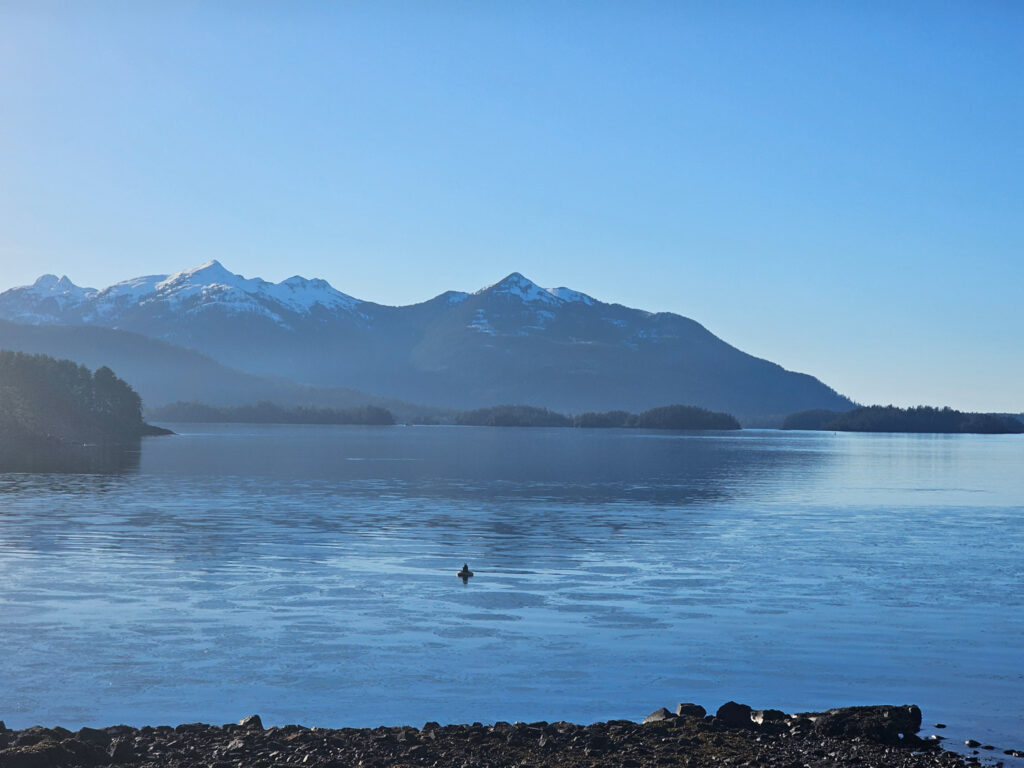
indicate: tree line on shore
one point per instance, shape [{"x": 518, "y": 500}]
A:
[
  {"x": 889, "y": 418},
  {"x": 665, "y": 417}
]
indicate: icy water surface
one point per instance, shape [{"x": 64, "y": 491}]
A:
[{"x": 308, "y": 574}]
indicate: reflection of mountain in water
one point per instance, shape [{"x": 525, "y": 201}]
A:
[
  {"x": 41, "y": 456},
  {"x": 521, "y": 493}
]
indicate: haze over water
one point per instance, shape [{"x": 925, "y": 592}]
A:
[{"x": 308, "y": 574}]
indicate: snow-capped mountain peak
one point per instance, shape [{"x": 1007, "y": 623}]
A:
[
  {"x": 527, "y": 291},
  {"x": 51, "y": 285},
  {"x": 48, "y": 300},
  {"x": 519, "y": 287},
  {"x": 52, "y": 282},
  {"x": 210, "y": 273}
]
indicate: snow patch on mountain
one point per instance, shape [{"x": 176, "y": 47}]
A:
[
  {"x": 481, "y": 324},
  {"x": 120, "y": 296},
  {"x": 571, "y": 296},
  {"x": 302, "y": 295}
]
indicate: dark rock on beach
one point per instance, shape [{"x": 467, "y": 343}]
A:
[
  {"x": 658, "y": 715},
  {"x": 765, "y": 716},
  {"x": 251, "y": 723},
  {"x": 733, "y": 715},
  {"x": 887, "y": 725},
  {"x": 688, "y": 709},
  {"x": 737, "y": 737}
]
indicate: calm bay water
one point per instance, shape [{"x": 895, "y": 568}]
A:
[{"x": 308, "y": 574}]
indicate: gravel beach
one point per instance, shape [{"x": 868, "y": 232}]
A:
[{"x": 734, "y": 736}]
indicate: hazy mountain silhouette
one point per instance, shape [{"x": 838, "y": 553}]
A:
[
  {"x": 163, "y": 373},
  {"x": 511, "y": 342}
]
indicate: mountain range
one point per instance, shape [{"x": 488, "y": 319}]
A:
[{"x": 510, "y": 342}]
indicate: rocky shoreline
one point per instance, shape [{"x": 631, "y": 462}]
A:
[{"x": 736, "y": 735}]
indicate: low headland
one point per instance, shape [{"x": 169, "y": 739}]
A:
[
  {"x": 47, "y": 403},
  {"x": 736, "y": 735},
  {"x": 889, "y": 418}
]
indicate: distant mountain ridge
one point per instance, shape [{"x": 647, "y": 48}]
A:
[{"x": 510, "y": 342}]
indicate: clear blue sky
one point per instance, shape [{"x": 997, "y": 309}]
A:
[{"x": 838, "y": 187}]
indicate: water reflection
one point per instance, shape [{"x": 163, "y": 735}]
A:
[
  {"x": 58, "y": 458},
  {"x": 565, "y": 465}
]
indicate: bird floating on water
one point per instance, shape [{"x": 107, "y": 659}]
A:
[{"x": 465, "y": 573}]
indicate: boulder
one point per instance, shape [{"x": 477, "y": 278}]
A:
[
  {"x": 252, "y": 723},
  {"x": 762, "y": 716},
  {"x": 658, "y": 715},
  {"x": 35, "y": 735},
  {"x": 93, "y": 736},
  {"x": 734, "y": 715},
  {"x": 688, "y": 709},
  {"x": 85, "y": 753},
  {"x": 884, "y": 724}
]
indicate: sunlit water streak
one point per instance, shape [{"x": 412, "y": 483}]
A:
[{"x": 307, "y": 573}]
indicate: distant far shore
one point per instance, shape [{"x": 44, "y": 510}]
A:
[
  {"x": 677, "y": 417},
  {"x": 735, "y": 735},
  {"x": 922, "y": 419}
]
